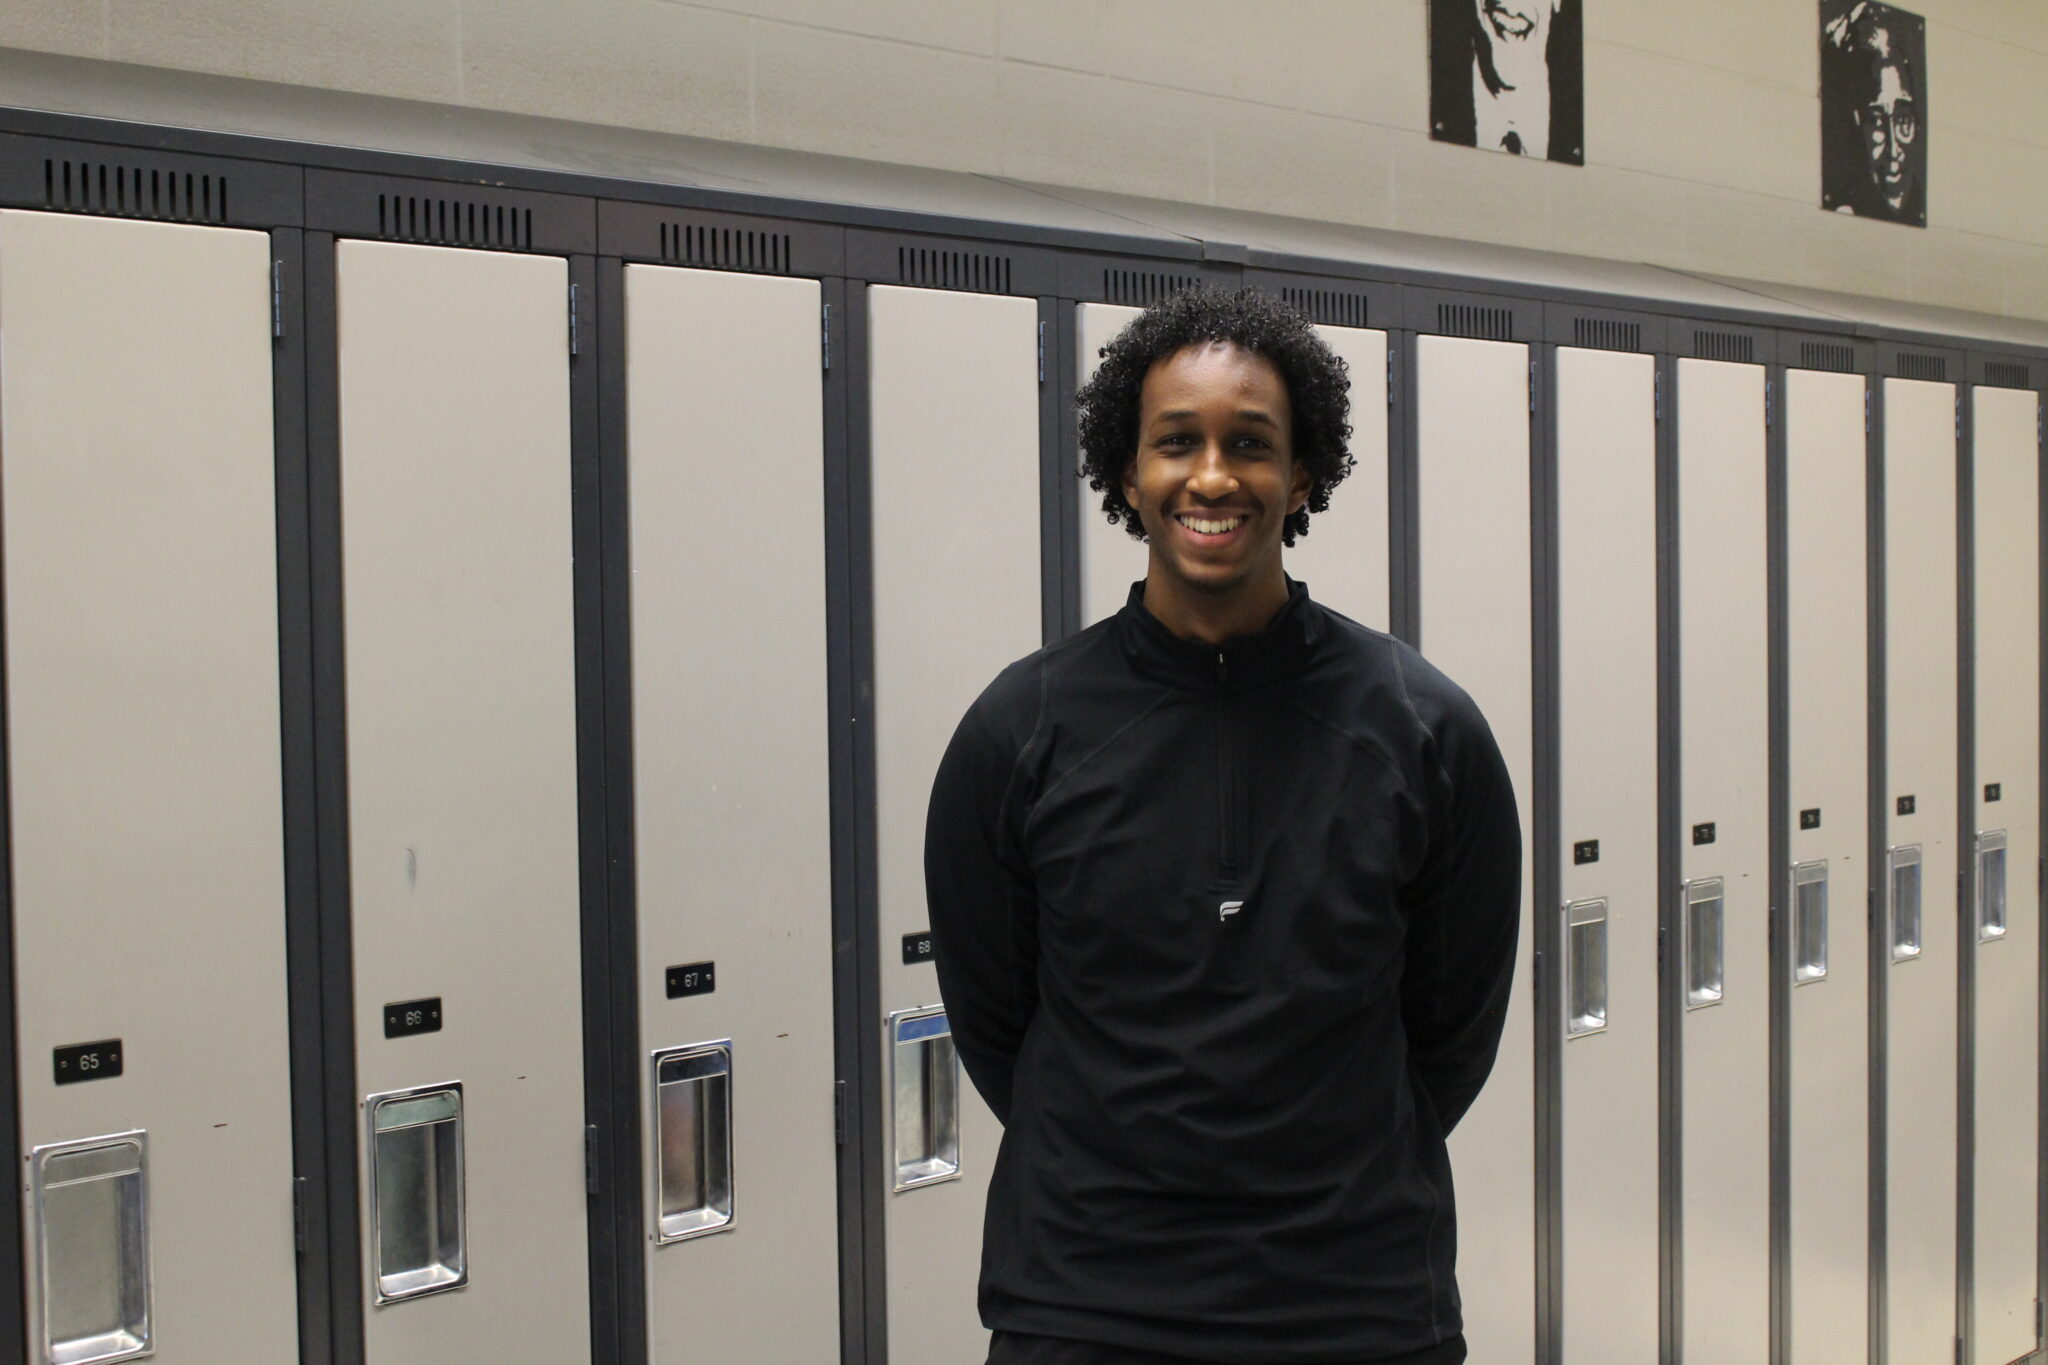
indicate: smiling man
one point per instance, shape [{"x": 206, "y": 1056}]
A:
[{"x": 1224, "y": 892}]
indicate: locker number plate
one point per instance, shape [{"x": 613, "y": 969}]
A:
[
  {"x": 88, "y": 1061},
  {"x": 1907, "y": 805},
  {"x": 692, "y": 978},
  {"x": 917, "y": 947},
  {"x": 1992, "y": 791},
  {"x": 408, "y": 1017},
  {"x": 1810, "y": 818},
  {"x": 1586, "y": 851},
  {"x": 1704, "y": 833}
]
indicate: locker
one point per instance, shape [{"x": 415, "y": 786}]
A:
[
  {"x": 1607, "y": 724},
  {"x": 462, "y": 801},
  {"x": 953, "y": 393},
  {"x": 2006, "y": 925},
  {"x": 1724, "y": 838},
  {"x": 137, "y": 500},
  {"x": 1343, "y": 559},
  {"x": 1825, "y": 888},
  {"x": 1918, "y": 887},
  {"x": 731, "y": 784},
  {"x": 1472, "y": 423}
]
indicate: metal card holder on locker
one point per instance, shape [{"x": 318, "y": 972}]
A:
[{"x": 91, "y": 1301}]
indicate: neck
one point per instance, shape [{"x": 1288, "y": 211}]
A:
[{"x": 1215, "y": 618}]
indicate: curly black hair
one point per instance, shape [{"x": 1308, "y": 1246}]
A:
[{"x": 1318, "y": 390}]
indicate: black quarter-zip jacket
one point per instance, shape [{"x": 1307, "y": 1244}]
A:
[{"x": 1226, "y": 937}]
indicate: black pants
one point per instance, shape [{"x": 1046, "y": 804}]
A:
[{"x": 1014, "y": 1348}]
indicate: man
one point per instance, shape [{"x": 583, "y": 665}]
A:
[{"x": 1224, "y": 892}]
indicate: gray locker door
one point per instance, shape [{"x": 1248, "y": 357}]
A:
[
  {"x": 725, "y": 453},
  {"x": 956, "y": 599},
  {"x": 1724, "y": 838},
  {"x": 143, "y": 759},
  {"x": 456, "y": 573},
  {"x": 1920, "y": 747},
  {"x": 1472, "y": 421},
  {"x": 1607, "y": 720},
  {"x": 2007, "y": 922},
  {"x": 1344, "y": 557},
  {"x": 1825, "y": 888}
]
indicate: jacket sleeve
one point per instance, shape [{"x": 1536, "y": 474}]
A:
[
  {"x": 1464, "y": 913},
  {"x": 984, "y": 910}
]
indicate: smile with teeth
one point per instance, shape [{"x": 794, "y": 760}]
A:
[{"x": 1209, "y": 526}]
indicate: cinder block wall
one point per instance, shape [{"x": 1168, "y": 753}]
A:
[{"x": 1702, "y": 116}]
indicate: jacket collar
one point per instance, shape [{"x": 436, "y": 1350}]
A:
[{"x": 1281, "y": 650}]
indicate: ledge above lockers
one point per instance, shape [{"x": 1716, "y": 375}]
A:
[{"x": 723, "y": 205}]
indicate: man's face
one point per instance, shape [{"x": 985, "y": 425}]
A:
[
  {"x": 1890, "y": 123},
  {"x": 1215, "y": 479}
]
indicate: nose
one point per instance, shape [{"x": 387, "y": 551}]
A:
[{"x": 1211, "y": 476}]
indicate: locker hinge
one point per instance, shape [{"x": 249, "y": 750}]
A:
[
  {"x": 299, "y": 1213},
  {"x": 277, "y": 298},
  {"x": 1532, "y": 385},
  {"x": 1657, "y": 396},
  {"x": 1041, "y": 353},
  {"x": 575, "y": 330},
  {"x": 1959, "y": 417},
  {"x": 590, "y": 1159},
  {"x": 1866, "y": 409},
  {"x": 2040, "y": 1324},
  {"x": 1770, "y": 413},
  {"x": 826, "y": 331},
  {"x": 839, "y": 1112}
]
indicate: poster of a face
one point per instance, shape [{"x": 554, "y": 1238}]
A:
[
  {"x": 1873, "y": 111},
  {"x": 1508, "y": 75}
]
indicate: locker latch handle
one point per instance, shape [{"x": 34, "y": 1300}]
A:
[
  {"x": 1705, "y": 943},
  {"x": 1585, "y": 967},
  {"x": 418, "y": 1242},
  {"x": 1809, "y": 922},
  {"x": 1991, "y": 884},
  {"x": 924, "y": 1083},
  {"x": 91, "y": 1297},
  {"x": 1904, "y": 862},
  {"x": 693, "y": 1140}
]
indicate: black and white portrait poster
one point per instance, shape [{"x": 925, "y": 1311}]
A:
[
  {"x": 1873, "y": 111},
  {"x": 1509, "y": 76}
]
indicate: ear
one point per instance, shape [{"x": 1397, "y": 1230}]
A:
[
  {"x": 1128, "y": 481},
  {"x": 1297, "y": 495}
]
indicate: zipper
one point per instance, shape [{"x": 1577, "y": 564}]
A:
[{"x": 1229, "y": 862}]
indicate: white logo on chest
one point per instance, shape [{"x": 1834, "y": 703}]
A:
[{"x": 1227, "y": 909}]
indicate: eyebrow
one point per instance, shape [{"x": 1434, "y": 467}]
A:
[{"x": 1243, "y": 415}]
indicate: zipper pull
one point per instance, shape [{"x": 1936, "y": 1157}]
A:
[{"x": 1222, "y": 669}]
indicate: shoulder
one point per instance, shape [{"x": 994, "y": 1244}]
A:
[
  {"x": 1009, "y": 710},
  {"x": 1388, "y": 677}
]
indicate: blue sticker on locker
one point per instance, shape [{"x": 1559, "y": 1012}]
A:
[{"x": 930, "y": 1026}]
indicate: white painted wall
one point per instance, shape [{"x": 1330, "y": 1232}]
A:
[{"x": 1702, "y": 116}]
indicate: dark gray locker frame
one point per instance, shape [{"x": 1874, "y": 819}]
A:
[
  {"x": 338, "y": 207},
  {"x": 268, "y": 199}
]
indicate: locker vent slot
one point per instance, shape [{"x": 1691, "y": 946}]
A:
[
  {"x": 1913, "y": 366},
  {"x": 1737, "y": 346},
  {"x": 1607, "y": 334},
  {"x": 134, "y": 192},
  {"x": 1335, "y": 307},
  {"x": 980, "y": 271},
  {"x": 2006, "y": 374},
  {"x": 760, "y": 253},
  {"x": 1472, "y": 320},
  {"x": 453, "y": 222},
  {"x": 1142, "y": 288},
  {"x": 1827, "y": 355}
]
